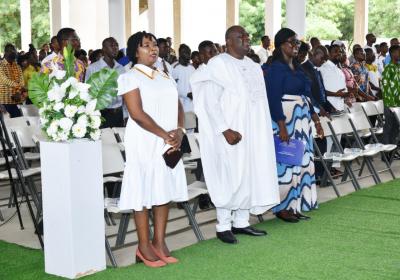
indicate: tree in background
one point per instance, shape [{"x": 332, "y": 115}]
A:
[
  {"x": 10, "y": 24},
  {"x": 328, "y": 19}
]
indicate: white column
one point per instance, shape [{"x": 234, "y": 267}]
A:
[
  {"x": 132, "y": 19},
  {"x": 177, "y": 11},
  {"x": 296, "y": 16},
  {"x": 232, "y": 13},
  {"x": 360, "y": 21},
  {"x": 116, "y": 13},
  {"x": 92, "y": 27},
  {"x": 196, "y": 23},
  {"x": 272, "y": 17},
  {"x": 26, "y": 38},
  {"x": 161, "y": 22}
]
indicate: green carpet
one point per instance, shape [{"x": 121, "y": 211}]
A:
[{"x": 353, "y": 237}]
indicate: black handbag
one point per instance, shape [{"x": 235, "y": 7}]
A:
[{"x": 172, "y": 157}]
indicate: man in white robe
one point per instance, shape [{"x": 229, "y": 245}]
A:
[{"x": 236, "y": 139}]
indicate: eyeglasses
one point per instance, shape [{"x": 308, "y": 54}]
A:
[{"x": 294, "y": 43}]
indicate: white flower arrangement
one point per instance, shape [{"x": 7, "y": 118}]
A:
[{"x": 68, "y": 108}]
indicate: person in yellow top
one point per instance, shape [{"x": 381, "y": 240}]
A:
[
  {"x": 12, "y": 90},
  {"x": 32, "y": 66},
  {"x": 66, "y": 36}
]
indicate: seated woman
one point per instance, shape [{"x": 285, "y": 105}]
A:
[
  {"x": 156, "y": 121},
  {"x": 289, "y": 92}
]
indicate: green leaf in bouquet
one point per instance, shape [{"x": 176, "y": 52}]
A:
[
  {"x": 69, "y": 61},
  {"x": 103, "y": 87},
  {"x": 37, "y": 88}
]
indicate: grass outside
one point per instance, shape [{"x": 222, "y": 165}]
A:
[{"x": 353, "y": 237}]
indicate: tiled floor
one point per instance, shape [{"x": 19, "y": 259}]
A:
[{"x": 180, "y": 234}]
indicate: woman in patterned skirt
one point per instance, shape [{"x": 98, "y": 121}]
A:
[{"x": 289, "y": 92}]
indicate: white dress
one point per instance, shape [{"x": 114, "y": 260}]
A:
[{"x": 147, "y": 180}]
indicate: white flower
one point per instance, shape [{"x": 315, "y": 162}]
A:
[
  {"x": 95, "y": 135},
  {"x": 71, "y": 81},
  {"x": 85, "y": 96},
  {"x": 78, "y": 130},
  {"x": 56, "y": 93},
  {"x": 66, "y": 124},
  {"x": 58, "y": 106},
  {"x": 70, "y": 110},
  {"x": 72, "y": 93},
  {"x": 56, "y": 72},
  {"x": 63, "y": 136},
  {"x": 41, "y": 110},
  {"x": 96, "y": 113},
  {"x": 53, "y": 127},
  {"x": 95, "y": 121},
  {"x": 83, "y": 120},
  {"x": 43, "y": 121},
  {"x": 81, "y": 109},
  {"x": 91, "y": 107}
]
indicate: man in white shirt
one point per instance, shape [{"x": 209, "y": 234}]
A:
[
  {"x": 381, "y": 57},
  {"x": 235, "y": 136},
  {"x": 371, "y": 39},
  {"x": 163, "y": 52},
  {"x": 334, "y": 79},
  {"x": 113, "y": 114},
  {"x": 181, "y": 72},
  {"x": 263, "y": 53},
  {"x": 55, "y": 48}
]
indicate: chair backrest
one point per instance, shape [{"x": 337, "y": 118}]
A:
[
  {"x": 341, "y": 125},
  {"x": 355, "y": 107},
  {"x": 190, "y": 120},
  {"x": 324, "y": 123},
  {"x": 33, "y": 121},
  {"x": 360, "y": 121},
  {"x": 120, "y": 131},
  {"x": 113, "y": 162},
  {"x": 194, "y": 146},
  {"x": 29, "y": 110},
  {"x": 26, "y": 134},
  {"x": 108, "y": 136},
  {"x": 369, "y": 108},
  {"x": 379, "y": 106}
]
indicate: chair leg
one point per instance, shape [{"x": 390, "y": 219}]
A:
[
  {"x": 123, "y": 227},
  {"x": 1, "y": 216},
  {"x": 193, "y": 222},
  {"x": 260, "y": 218},
  {"x": 106, "y": 218},
  {"x": 110, "y": 254},
  {"x": 388, "y": 165},
  {"x": 353, "y": 178}
]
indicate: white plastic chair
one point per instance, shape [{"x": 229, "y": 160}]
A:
[
  {"x": 29, "y": 110},
  {"x": 190, "y": 121}
]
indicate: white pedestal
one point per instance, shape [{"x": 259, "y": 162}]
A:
[{"x": 73, "y": 208}]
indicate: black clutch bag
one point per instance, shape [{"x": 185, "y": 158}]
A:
[{"x": 172, "y": 157}]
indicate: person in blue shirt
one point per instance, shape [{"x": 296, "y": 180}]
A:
[
  {"x": 289, "y": 94},
  {"x": 393, "y": 42}
]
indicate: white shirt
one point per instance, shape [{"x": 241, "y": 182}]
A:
[
  {"x": 160, "y": 65},
  {"x": 182, "y": 74},
  {"x": 96, "y": 67},
  {"x": 49, "y": 58},
  {"x": 380, "y": 62},
  {"x": 263, "y": 54},
  {"x": 334, "y": 80}
]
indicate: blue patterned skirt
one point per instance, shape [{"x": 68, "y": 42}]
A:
[{"x": 297, "y": 183}]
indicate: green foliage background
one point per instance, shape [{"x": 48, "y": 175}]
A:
[
  {"x": 326, "y": 19},
  {"x": 10, "y": 24}
]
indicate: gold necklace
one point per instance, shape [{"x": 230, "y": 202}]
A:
[{"x": 152, "y": 76}]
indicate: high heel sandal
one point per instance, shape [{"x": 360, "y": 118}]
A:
[
  {"x": 166, "y": 259},
  {"x": 154, "y": 264}
]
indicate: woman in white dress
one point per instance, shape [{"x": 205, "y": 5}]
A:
[{"x": 155, "y": 123}]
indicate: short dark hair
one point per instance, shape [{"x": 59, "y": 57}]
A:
[
  {"x": 93, "y": 56},
  {"x": 182, "y": 46},
  {"x": 264, "y": 37},
  {"x": 53, "y": 38},
  {"x": 357, "y": 50},
  {"x": 368, "y": 50},
  {"x": 8, "y": 46},
  {"x": 134, "y": 42},
  {"x": 194, "y": 53},
  {"x": 383, "y": 44},
  {"x": 393, "y": 48},
  {"x": 304, "y": 47},
  {"x": 369, "y": 35},
  {"x": 313, "y": 39},
  {"x": 162, "y": 41},
  {"x": 63, "y": 34},
  {"x": 107, "y": 40},
  {"x": 205, "y": 44}
]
